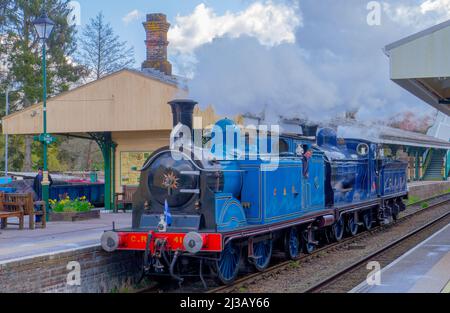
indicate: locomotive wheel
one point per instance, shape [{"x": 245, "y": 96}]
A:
[
  {"x": 262, "y": 252},
  {"x": 227, "y": 267},
  {"x": 395, "y": 217},
  {"x": 352, "y": 225},
  {"x": 338, "y": 229},
  {"x": 308, "y": 247},
  {"x": 367, "y": 220},
  {"x": 395, "y": 211},
  {"x": 292, "y": 246},
  {"x": 398, "y": 206}
]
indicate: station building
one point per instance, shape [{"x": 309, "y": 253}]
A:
[
  {"x": 126, "y": 113},
  {"x": 419, "y": 64},
  {"x": 425, "y": 155}
]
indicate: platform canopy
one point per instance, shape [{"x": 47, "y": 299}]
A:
[
  {"x": 126, "y": 113},
  {"x": 421, "y": 65},
  {"x": 392, "y": 136},
  {"x": 125, "y": 101}
]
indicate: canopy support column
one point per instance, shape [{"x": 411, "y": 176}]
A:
[
  {"x": 108, "y": 148},
  {"x": 417, "y": 167}
]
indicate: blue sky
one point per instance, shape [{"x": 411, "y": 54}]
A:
[
  {"x": 133, "y": 32},
  {"x": 315, "y": 58}
]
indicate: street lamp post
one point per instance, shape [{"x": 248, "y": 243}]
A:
[
  {"x": 7, "y": 136},
  {"x": 44, "y": 27}
]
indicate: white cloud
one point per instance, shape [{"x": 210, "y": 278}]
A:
[
  {"x": 271, "y": 23},
  {"x": 132, "y": 16},
  {"x": 427, "y": 13},
  {"x": 242, "y": 76}
]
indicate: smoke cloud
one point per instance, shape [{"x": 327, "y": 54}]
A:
[
  {"x": 322, "y": 64},
  {"x": 242, "y": 76}
]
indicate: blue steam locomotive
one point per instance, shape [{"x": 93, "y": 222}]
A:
[{"x": 194, "y": 214}]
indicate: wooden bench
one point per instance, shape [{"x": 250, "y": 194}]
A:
[
  {"x": 125, "y": 198},
  {"x": 24, "y": 203},
  {"x": 10, "y": 209}
]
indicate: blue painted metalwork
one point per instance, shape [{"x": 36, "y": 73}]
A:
[
  {"x": 293, "y": 243},
  {"x": 7, "y": 189},
  {"x": 258, "y": 192},
  {"x": 352, "y": 225},
  {"x": 393, "y": 178},
  {"x": 229, "y": 213},
  {"x": 228, "y": 264},
  {"x": 251, "y": 197},
  {"x": 338, "y": 229},
  {"x": 262, "y": 252},
  {"x": 5, "y": 180},
  {"x": 273, "y": 192},
  {"x": 94, "y": 193}
]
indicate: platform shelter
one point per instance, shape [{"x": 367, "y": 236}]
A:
[{"x": 126, "y": 113}]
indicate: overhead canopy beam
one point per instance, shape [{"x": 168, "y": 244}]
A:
[
  {"x": 108, "y": 148},
  {"x": 420, "y": 64}
]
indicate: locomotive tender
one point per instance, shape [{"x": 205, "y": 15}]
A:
[{"x": 192, "y": 214}]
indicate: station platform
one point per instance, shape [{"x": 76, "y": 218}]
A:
[
  {"x": 58, "y": 237},
  {"x": 424, "y": 269},
  {"x": 428, "y": 189},
  {"x": 426, "y": 183}
]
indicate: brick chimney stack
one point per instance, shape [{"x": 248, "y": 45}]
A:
[{"x": 156, "y": 28}]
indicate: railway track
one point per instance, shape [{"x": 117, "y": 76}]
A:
[
  {"x": 413, "y": 210},
  {"x": 253, "y": 278},
  {"x": 330, "y": 282}
]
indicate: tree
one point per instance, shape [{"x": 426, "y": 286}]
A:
[
  {"x": 411, "y": 122},
  {"x": 24, "y": 54},
  {"x": 102, "y": 52}
]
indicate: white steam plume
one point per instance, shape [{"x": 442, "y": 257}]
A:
[{"x": 241, "y": 76}]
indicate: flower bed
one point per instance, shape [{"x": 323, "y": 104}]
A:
[{"x": 67, "y": 210}]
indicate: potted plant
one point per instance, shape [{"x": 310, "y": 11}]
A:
[{"x": 69, "y": 210}]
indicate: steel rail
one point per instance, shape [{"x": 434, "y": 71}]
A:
[
  {"x": 282, "y": 266},
  {"x": 328, "y": 281}
]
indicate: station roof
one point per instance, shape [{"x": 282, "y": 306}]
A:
[
  {"x": 420, "y": 64},
  {"x": 441, "y": 127},
  {"x": 392, "y": 136},
  {"x": 127, "y": 100}
]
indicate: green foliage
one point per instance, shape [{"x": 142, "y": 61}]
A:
[
  {"x": 22, "y": 52},
  {"x": 413, "y": 200},
  {"x": 71, "y": 206},
  {"x": 55, "y": 161},
  {"x": 425, "y": 205}
]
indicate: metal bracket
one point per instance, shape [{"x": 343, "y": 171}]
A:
[{"x": 147, "y": 252}]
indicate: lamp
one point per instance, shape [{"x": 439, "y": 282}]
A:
[{"x": 43, "y": 26}]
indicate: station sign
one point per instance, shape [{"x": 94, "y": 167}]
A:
[{"x": 47, "y": 138}]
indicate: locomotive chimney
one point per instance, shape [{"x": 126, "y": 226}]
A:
[
  {"x": 183, "y": 112},
  {"x": 156, "y": 28}
]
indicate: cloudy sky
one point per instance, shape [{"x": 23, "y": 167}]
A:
[{"x": 308, "y": 57}]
